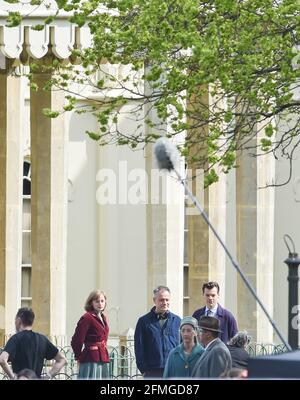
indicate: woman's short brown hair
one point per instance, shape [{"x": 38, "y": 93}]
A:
[{"x": 93, "y": 296}]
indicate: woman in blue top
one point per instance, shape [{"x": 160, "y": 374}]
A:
[{"x": 182, "y": 359}]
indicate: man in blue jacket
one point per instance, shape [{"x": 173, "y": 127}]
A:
[
  {"x": 228, "y": 324},
  {"x": 156, "y": 334}
]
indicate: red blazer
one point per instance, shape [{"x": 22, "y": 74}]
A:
[{"x": 91, "y": 332}]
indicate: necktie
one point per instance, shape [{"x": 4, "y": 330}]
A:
[{"x": 209, "y": 313}]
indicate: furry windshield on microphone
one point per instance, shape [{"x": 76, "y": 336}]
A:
[{"x": 166, "y": 154}]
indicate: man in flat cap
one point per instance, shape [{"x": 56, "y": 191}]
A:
[{"x": 216, "y": 358}]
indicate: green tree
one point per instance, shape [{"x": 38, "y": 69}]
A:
[{"x": 220, "y": 70}]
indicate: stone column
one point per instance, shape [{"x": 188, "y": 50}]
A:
[
  {"x": 3, "y": 146},
  {"x": 217, "y": 212},
  {"x": 198, "y": 232},
  {"x": 165, "y": 234},
  {"x": 165, "y": 223},
  {"x": 246, "y": 208},
  {"x": 198, "y": 253},
  {"x": 265, "y": 242},
  {"x": 11, "y": 173},
  {"x": 206, "y": 257},
  {"x": 217, "y": 216},
  {"x": 49, "y": 210},
  {"x": 255, "y": 241},
  {"x": 230, "y": 271}
]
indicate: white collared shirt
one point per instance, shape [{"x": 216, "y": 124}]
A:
[
  {"x": 213, "y": 311},
  {"x": 210, "y": 343}
]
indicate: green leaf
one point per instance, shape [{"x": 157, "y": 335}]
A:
[
  {"x": 228, "y": 116},
  {"x": 49, "y": 113},
  {"x": 210, "y": 178},
  {"x": 265, "y": 144},
  {"x": 35, "y": 2},
  {"x": 68, "y": 107},
  {"x": 93, "y": 135},
  {"x": 269, "y": 130},
  {"x": 38, "y": 27},
  {"x": 13, "y": 19},
  {"x": 49, "y": 19},
  {"x": 33, "y": 86}
]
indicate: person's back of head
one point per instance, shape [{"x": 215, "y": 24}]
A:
[
  {"x": 26, "y": 316},
  {"x": 240, "y": 339},
  {"x": 26, "y": 374}
]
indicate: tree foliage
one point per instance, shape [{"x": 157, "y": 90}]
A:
[{"x": 223, "y": 71}]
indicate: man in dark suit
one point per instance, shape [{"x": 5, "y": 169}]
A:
[
  {"x": 228, "y": 324},
  {"x": 216, "y": 359}
]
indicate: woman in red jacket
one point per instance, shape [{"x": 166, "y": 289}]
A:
[{"x": 92, "y": 332}]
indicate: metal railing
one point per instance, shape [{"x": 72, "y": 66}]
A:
[
  {"x": 263, "y": 349},
  {"x": 122, "y": 361}
]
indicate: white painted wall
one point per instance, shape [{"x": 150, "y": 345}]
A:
[
  {"x": 287, "y": 221},
  {"x": 81, "y": 237},
  {"x": 106, "y": 243},
  {"x": 121, "y": 243}
]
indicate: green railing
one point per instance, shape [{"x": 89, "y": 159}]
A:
[
  {"x": 122, "y": 361},
  {"x": 261, "y": 349}
]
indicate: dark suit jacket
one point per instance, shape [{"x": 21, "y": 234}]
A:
[
  {"x": 215, "y": 360},
  {"x": 239, "y": 357},
  {"x": 93, "y": 334},
  {"x": 228, "y": 323}
]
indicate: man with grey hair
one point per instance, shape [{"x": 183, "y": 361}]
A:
[{"x": 156, "y": 334}]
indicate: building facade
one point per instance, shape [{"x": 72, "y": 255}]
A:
[{"x": 75, "y": 216}]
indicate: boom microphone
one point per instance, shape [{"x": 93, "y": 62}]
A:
[
  {"x": 166, "y": 154},
  {"x": 168, "y": 157}
]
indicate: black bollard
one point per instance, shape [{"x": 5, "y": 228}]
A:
[{"x": 293, "y": 263}]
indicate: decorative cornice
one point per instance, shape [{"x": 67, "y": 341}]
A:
[{"x": 58, "y": 38}]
